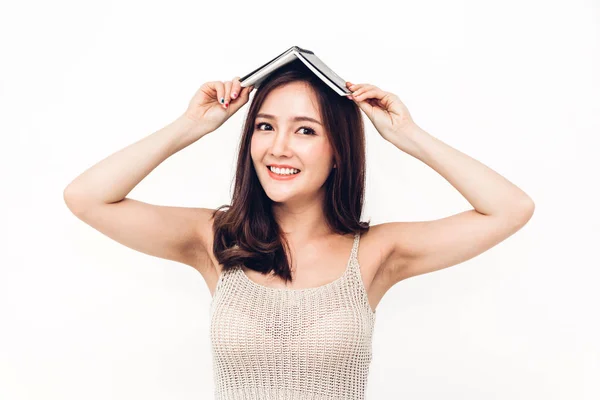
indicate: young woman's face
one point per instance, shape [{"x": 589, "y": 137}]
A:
[{"x": 301, "y": 144}]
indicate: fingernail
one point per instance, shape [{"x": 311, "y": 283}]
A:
[
  {"x": 222, "y": 100},
  {"x": 234, "y": 95},
  {"x": 226, "y": 105}
]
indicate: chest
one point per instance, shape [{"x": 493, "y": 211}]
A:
[
  {"x": 309, "y": 271},
  {"x": 267, "y": 338},
  {"x": 317, "y": 267}
]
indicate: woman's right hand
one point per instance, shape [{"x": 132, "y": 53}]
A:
[{"x": 215, "y": 102}]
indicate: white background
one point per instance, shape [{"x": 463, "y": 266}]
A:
[{"x": 514, "y": 84}]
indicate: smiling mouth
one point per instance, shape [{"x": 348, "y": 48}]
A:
[
  {"x": 280, "y": 177},
  {"x": 297, "y": 171}
]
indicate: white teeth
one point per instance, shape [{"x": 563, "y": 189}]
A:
[{"x": 284, "y": 171}]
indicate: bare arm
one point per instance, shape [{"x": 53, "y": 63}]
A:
[
  {"x": 97, "y": 196},
  {"x": 111, "y": 179}
]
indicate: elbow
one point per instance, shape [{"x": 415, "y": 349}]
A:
[
  {"x": 525, "y": 211},
  {"x": 73, "y": 200},
  {"x": 69, "y": 200},
  {"x": 529, "y": 205}
]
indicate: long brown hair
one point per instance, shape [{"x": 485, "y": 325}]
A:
[{"x": 247, "y": 232}]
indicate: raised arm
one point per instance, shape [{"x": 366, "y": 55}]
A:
[{"x": 98, "y": 195}]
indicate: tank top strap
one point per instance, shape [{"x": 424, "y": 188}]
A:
[{"x": 354, "y": 253}]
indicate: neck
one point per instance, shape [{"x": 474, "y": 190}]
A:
[{"x": 302, "y": 223}]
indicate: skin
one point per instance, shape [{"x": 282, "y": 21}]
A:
[{"x": 298, "y": 202}]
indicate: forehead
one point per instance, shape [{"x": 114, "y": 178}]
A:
[{"x": 296, "y": 98}]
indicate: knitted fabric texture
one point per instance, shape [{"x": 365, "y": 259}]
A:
[{"x": 277, "y": 343}]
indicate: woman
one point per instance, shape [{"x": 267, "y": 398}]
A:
[{"x": 293, "y": 306}]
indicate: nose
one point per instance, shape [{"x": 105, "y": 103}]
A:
[{"x": 280, "y": 146}]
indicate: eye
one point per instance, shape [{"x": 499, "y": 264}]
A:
[
  {"x": 309, "y": 130},
  {"x": 257, "y": 126}
]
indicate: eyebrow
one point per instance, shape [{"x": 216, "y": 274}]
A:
[{"x": 298, "y": 118}]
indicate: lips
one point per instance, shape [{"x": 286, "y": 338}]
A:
[{"x": 281, "y": 177}]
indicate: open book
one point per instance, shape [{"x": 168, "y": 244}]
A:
[{"x": 309, "y": 59}]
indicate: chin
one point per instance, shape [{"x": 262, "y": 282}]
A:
[{"x": 279, "y": 197}]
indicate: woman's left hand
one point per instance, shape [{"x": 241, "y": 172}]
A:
[{"x": 389, "y": 115}]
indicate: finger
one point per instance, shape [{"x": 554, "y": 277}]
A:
[
  {"x": 220, "y": 88},
  {"x": 235, "y": 87},
  {"x": 354, "y": 87},
  {"x": 246, "y": 91},
  {"x": 361, "y": 89},
  {"x": 359, "y": 95},
  {"x": 209, "y": 89},
  {"x": 227, "y": 95},
  {"x": 243, "y": 99},
  {"x": 372, "y": 93},
  {"x": 243, "y": 96}
]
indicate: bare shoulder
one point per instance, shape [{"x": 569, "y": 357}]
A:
[
  {"x": 374, "y": 252},
  {"x": 204, "y": 233},
  {"x": 375, "y": 257},
  {"x": 380, "y": 244},
  {"x": 206, "y": 262}
]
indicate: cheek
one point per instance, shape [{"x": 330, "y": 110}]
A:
[
  {"x": 256, "y": 149},
  {"x": 322, "y": 151},
  {"x": 316, "y": 156},
  {"x": 259, "y": 141}
]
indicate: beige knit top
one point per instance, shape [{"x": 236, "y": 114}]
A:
[{"x": 293, "y": 344}]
